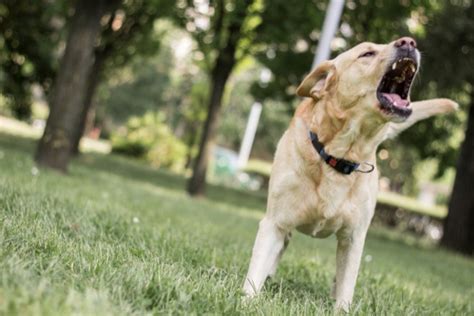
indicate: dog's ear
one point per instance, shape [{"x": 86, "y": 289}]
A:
[{"x": 320, "y": 80}]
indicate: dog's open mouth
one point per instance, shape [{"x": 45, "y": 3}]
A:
[{"x": 394, "y": 88}]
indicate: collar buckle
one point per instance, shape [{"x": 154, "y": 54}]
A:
[{"x": 371, "y": 167}]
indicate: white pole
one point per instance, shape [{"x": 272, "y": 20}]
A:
[
  {"x": 249, "y": 135},
  {"x": 331, "y": 22}
]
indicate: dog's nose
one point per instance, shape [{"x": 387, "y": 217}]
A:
[{"x": 405, "y": 43}]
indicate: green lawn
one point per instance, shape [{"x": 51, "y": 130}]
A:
[{"x": 115, "y": 237}]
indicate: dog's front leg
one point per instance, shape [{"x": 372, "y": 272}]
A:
[
  {"x": 422, "y": 110},
  {"x": 269, "y": 244},
  {"x": 348, "y": 256}
]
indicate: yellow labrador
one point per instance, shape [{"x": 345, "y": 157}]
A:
[{"x": 324, "y": 178}]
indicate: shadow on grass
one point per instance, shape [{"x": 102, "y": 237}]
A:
[
  {"x": 136, "y": 170},
  {"x": 17, "y": 143},
  {"x": 139, "y": 171},
  {"x": 288, "y": 287}
]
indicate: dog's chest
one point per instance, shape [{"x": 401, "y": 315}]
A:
[{"x": 336, "y": 205}]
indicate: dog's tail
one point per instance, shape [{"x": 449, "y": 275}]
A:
[{"x": 421, "y": 111}]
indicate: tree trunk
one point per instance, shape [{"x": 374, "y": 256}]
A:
[
  {"x": 93, "y": 82},
  {"x": 67, "y": 101},
  {"x": 220, "y": 75},
  {"x": 190, "y": 142},
  {"x": 221, "y": 71},
  {"x": 458, "y": 226}
]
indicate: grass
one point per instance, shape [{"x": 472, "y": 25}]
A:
[
  {"x": 18, "y": 128},
  {"x": 117, "y": 238}
]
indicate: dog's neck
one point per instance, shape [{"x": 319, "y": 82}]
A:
[{"x": 350, "y": 135}]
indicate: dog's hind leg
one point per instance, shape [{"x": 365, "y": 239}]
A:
[{"x": 267, "y": 250}]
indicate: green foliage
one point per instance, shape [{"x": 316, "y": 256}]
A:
[
  {"x": 223, "y": 31},
  {"x": 116, "y": 237},
  {"x": 290, "y": 47},
  {"x": 191, "y": 112},
  {"x": 128, "y": 35},
  {"x": 194, "y": 110},
  {"x": 396, "y": 163},
  {"x": 449, "y": 47},
  {"x": 130, "y": 32},
  {"x": 148, "y": 137},
  {"x": 448, "y": 60},
  {"x": 211, "y": 26},
  {"x": 166, "y": 83},
  {"x": 236, "y": 108},
  {"x": 29, "y": 34},
  {"x": 274, "y": 118},
  {"x": 163, "y": 81},
  {"x": 384, "y": 21},
  {"x": 137, "y": 89},
  {"x": 287, "y": 50}
]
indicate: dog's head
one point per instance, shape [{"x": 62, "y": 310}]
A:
[{"x": 369, "y": 77}]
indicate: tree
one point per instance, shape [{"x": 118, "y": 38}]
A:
[
  {"x": 458, "y": 233},
  {"x": 68, "y": 96},
  {"x": 141, "y": 86},
  {"x": 449, "y": 44},
  {"x": 289, "y": 49},
  {"x": 29, "y": 34},
  {"x": 223, "y": 32},
  {"x": 128, "y": 33},
  {"x": 238, "y": 104}
]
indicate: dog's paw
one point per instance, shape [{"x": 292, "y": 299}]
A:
[
  {"x": 448, "y": 106},
  {"x": 342, "y": 307},
  {"x": 427, "y": 108},
  {"x": 248, "y": 299},
  {"x": 442, "y": 106},
  {"x": 248, "y": 291}
]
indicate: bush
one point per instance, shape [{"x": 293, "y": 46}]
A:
[{"x": 148, "y": 137}]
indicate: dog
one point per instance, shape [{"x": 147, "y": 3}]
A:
[{"x": 324, "y": 178}]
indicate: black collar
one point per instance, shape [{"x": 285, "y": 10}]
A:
[{"x": 341, "y": 165}]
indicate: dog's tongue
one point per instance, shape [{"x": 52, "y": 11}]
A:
[{"x": 396, "y": 99}]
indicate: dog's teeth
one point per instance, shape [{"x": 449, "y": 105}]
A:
[
  {"x": 394, "y": 66},
  {"x": 412, "y": 67}
]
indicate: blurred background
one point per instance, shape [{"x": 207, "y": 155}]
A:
[{"x": 204, "y": 89}]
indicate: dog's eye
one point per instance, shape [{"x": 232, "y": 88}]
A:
[{"x": 368, "y": 54}]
